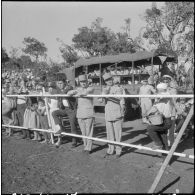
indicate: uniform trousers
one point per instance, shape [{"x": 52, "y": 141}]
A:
[
  {"x": 86, "y": 126},
  {"x": 158, "y": 133},
  {"x": 114, "y": 133}
]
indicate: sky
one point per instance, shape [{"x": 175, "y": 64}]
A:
[{"x": 47, "y": 21}]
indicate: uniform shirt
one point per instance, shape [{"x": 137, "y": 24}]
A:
[
  {"x": 146, "y": 90},
  {"x": 85, "y": 107}
]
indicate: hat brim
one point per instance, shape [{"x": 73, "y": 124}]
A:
[{"x": 82, "y": 80}]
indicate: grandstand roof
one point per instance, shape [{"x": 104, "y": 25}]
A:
[{"x": 129, "y": 57}]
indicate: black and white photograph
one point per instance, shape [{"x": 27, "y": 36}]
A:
[{"x": 97, "y": 97}]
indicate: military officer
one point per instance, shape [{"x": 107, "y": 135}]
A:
[
  {"x": 85, "y": 111},
  {"x": 114, "y": 113}
]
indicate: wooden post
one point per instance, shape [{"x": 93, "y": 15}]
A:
[
  {"x": 48, "y": 115},
  {"x": 152, "y": 63},
  {"x": 100, "y": 67},
  {"x": 74, "y": 77},
  {"x": 86, "y": 70},
  {"x": 174, "y": 146},
  {"x": 133, "y": 72}
]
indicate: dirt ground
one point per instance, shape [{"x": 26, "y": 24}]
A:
[{"x": 31, "y": 167}]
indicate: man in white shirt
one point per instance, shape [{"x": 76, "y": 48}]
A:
[
  {"x": 67, "y": 108},
  {"x": 158, "y": 133}
]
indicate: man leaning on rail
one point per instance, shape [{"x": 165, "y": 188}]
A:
[{"x": 67, "y": 107}]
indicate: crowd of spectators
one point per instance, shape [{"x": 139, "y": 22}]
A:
[{"x": 31, "y": 112}]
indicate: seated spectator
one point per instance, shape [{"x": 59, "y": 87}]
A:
[
  {"x": 29, "y": 86},
  {"x": 116, "y": 79},
  {"x": 118, "y": 71},
  {"x": 129, "y": 82},
  {"x": 97, "y": 72},
  {"x": 113, "y": 71},
  {"x": 126, "y": 71},
  {"x": 122, "y": 70}
]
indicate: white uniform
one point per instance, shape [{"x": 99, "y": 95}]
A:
[
  {"x": 85, "y": 114},
  {"x": 114, "y": 116}
]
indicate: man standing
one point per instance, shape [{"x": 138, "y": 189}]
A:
[
  {"x": 85, "y": 111},
  {"x": 114, "y": 113},
  {"x": 67, "y": 107}
]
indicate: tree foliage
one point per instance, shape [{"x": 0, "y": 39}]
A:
[
  {"x": 171, "y": 28},
  {"x": 98, "y": 41},
  {"x": 34, "y": 48},
  {"x": 4, "y": 55},
  {"x": 69, "y": 54}
]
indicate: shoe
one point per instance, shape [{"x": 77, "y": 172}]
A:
[
  {"x": 57, "y": 145},
  {"x": 74, "y": 145},
  {"x": 144, "y": 120},
  {"x": 23, "y": 137},
  {"x": 107, "y": 155},
  {"x": 43, "y": 142},
  {"x": 87, "y": 152},
  {"x": 117, "y": 156}
]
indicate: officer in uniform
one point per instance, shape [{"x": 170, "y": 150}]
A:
[
  {"x": 114, "y": 113},
  {"x": 85, "y": 111}
]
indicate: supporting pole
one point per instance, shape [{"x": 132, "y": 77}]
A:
[
  {"x": 139, "y": 147},
  {"x": 48, "y": 115},
  {"x": 74, "y": 76},
  {"x": 152, "y": 63},
  {"x": 111, "y": 95},
  {"x": 100, "y": 67},
  {"x": 133, "y": 72},
  {"x": 174, "y": 146}
]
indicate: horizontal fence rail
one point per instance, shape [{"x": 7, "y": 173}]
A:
[
  {"x": 110, "y": 95},
  {"x": 106, "y": 141}
]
